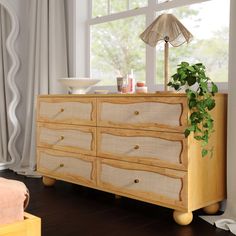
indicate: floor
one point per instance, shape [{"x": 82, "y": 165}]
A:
[{"x": 71, "y": 210}]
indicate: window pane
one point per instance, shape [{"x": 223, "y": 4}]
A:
[
  {"x": 118, "y": 6},
  {"x": 124, "y": 5},
  {"x": 137, "y": 3},
  {"x": 209, "y": 24},
  {"x": 116, "y": 49},
  {"x": 100, "y": 8}
]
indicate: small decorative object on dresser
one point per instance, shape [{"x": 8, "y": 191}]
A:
[
  {"x": 132, "y": 145},
  {"x": 78, "y": 85}
]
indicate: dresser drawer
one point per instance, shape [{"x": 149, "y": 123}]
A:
[
  {"x": 70, "y": 111},
  {"x": 67, "y": 166},
  {"x": 153, "y": 184},
  {"x": 79, "y": 139},
  {"x": 147, "y": 147},
  {"x": 152, "y": 113}
]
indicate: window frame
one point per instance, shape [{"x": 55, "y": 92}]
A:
[{"x": 150, "y": 13}]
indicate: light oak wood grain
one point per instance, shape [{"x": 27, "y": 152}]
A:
[
  {"x": 136, "y": 138},
  {"x": 207, "y": 176}
]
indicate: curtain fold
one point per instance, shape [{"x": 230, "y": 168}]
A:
[
  {"x": 47, "y": 61},
  {"x": 4, "y": 92}
]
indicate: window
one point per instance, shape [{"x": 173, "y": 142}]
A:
[
  {"x": 116, "y": 49},
  {"x": 210, "y": 42}
]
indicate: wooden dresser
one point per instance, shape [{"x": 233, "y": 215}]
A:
[{"x": 133, "y": 146}]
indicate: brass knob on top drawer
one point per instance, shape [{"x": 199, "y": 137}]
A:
[
  {"x": 62, "y": 137},
  {"x": 61, "y": 165},
  {"x": 136, "y": 113},
  {"x": 136, "y": 147},
  {"x": 62, "y": 110},
  {"x": 136, "y": 181}
]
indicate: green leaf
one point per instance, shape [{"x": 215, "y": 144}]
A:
[
  {"x": 198, "y": 137},
  {"x": 204, "y": 152},
  {"x": 184, "y": 64},
  {"x": 190, "y": 68},
  {"x": 192, "y": 103},
  {"x": 186, "y": 133},
  {"x": 176, "y": 86},
  {"x": 175, "y": 77},
  {"x": 214, "y": 88},
  {"x": 210, "y": 103},
  {"x": 191, "y": 81}
]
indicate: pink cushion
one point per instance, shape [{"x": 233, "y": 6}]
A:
[{"x": 13, "y": 195}]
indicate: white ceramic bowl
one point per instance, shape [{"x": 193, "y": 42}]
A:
[
  {"x": 78, "y": 85},
  {"x": 101, "y": 91}
]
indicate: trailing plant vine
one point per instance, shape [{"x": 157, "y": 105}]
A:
[{"x": 200, "y": 92}]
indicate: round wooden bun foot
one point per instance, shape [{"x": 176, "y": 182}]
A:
[
  {"x": 183, "y": 218},
  {"x": 48, "y": 181},
  {"x": 212, "y": 209}
]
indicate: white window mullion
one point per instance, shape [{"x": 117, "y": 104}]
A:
[{"x": 117, "y": 16}]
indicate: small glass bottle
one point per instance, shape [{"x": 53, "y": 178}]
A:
[{"x": 131, "y": 82}]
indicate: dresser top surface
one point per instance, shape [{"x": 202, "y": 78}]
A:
[{"x": 157, "y": 94}]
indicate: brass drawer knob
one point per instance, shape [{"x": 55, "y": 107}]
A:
[
  {"x": 61, "y": 165},
  {"x": 62, "y": 137},
  {"x": 136, "y": 147},
  {"x": 136, "y": 113},
  {"x": 62, "y": 110},
  {"x": 136, "y": 181}
]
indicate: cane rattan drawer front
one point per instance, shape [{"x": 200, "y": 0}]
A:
[
  {"x": 150, "y": 183},
  {"x": 79, "y": 139},
  {"x": 153, "y": 113},
  {"x": 67, "y": 166},
  {"x": 80, "y": 111},
  {"x": 147, "y": 147}
]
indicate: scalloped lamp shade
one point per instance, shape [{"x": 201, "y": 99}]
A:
[{"x": 169, "y": 29}]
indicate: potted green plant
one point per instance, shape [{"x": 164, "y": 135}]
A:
[{"x": 200, "y": 92}]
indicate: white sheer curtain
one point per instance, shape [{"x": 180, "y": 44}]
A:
[
  {"x": 47, "y": 61},
  {"x": 4, "y": 92},
  {"x": 227, "y": 221}
]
